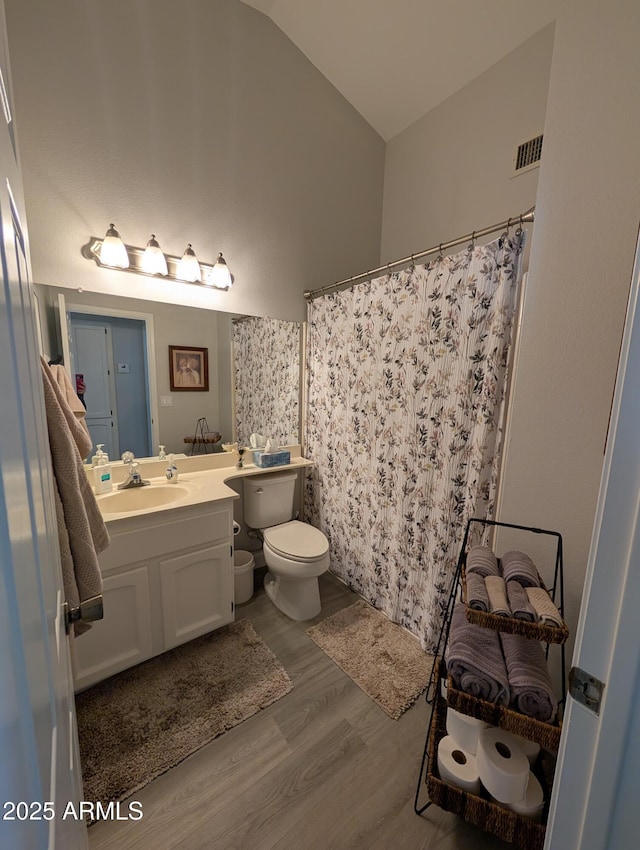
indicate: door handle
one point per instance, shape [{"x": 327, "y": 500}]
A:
[{"x": 88, "y": 611}]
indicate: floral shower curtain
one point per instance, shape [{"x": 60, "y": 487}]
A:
[
  {"x": 267, "y": 379},
  {"x": 406, "y": 380}
]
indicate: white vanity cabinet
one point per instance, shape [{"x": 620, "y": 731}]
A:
[{"x": 168, "y": 578}]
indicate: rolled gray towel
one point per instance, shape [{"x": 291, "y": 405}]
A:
[
  {"x": 517, "y": 566},
  {"x": 521, "y": 608},
  {"x": 477, "y": 593},
  {"x": 529, "y": 681},
  {"x": 474, "y": 660},
  {"x": 497, "y": 593},
  {"x": 481, "y": 560}
]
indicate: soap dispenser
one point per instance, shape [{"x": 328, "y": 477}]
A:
[
  {"x": 102, "y": 475},
  {"x": 99, "y": 455},
  {"x": 162, "y": 455},
  {"x": 172, "y": 470}
]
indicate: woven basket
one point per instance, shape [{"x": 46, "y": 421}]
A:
[
  {"x": 536, "y": 631},
  {"x": 545, "y": 734},
  {"x": 523, "y": 832}
]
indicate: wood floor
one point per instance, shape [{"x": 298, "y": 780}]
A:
[{"x": 322, "y": 768}]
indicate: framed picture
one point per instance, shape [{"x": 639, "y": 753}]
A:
[{"x": 188, "y": 368}]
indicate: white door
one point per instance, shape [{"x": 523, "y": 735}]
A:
[
  {"x": 595, "y": 799},
  {"x": 39, "y": 764},
  {"x": 92, "y": 356}
]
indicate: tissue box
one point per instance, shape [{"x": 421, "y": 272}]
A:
[{"x": 264, "y": 461}]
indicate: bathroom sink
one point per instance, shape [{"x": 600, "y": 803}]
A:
[{"x": 141, "y": 498}]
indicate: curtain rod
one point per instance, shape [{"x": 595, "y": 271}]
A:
[{"x": 443, "y": 246}]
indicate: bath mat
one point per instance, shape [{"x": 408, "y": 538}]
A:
[
  {"x": 383, "y": 659},
  {"x": 145, "y": 720}
]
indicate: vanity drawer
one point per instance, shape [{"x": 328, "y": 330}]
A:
[{"x": 161, "y": 532}]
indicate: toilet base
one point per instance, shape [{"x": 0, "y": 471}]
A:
[{"x": 298, "y": 599}]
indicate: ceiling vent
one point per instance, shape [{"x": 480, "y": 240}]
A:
[{"x": 527, "y": 155}]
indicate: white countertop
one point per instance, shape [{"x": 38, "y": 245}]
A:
[{"x": 196, "y": 487}]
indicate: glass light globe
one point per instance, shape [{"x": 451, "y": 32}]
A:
[
  {"x": 189, "y": 267},
  {"x": 220, "y": 276},
  {"x": 113, "y": 253},
  {"x": 153, "y": 260}
]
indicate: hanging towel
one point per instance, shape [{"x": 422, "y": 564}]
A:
[
  {"x": 481, "y": 560},
  {"x": 64, "y": 382},
  {"x": 529, "y": 680},
  {"x": 546, "y": 611},
  {"x": 477, "y": 593},
  {"x": 497, "y": 593},
  {"x": 82, "y": 534},
  {"x": 519, "y": 603},
  {"x": 474, "y": 660},
  {"x": 517, "y": 566}
]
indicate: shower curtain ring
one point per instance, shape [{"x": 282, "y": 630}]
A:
[
  {"x": 440, "y": 257},
  {"x": 472, "y": 243}
]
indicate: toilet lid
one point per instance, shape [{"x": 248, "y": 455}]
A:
[{"x": 297, "y": 540}]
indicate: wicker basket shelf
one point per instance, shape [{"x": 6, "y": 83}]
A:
[
  {"x": 535, "y": 631},
  {"x": 523, "y": 832},
  {"x": 545, "y": 734}
]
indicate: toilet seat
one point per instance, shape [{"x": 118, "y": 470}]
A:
[{"x": 297, "y": 541}]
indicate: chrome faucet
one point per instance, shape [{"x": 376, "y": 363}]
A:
[{"x": 134, "y": 479}]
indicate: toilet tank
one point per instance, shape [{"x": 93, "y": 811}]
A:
[{"x": 268, "y": 499}]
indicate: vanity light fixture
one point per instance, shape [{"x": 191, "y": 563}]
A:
[
  {"x": 189, "y": 267},
  {"x": 154, "y": 262},
  {"x": 113, "y": 252}
]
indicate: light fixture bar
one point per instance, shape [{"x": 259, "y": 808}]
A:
[{"x": 92, "y": 250}]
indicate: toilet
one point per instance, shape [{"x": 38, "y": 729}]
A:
[{"x": 295, "y": 552}]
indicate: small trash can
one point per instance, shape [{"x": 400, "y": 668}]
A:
[{"x": 243, "y": 575}]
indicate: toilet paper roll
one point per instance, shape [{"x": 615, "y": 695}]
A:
[
  {"x": 457, "y": 767},
  {"x": 502, "y": 765},
  {"x": 529, "y": 748},
  {"x": 464, "y": 730},
  {"x": 532, "y": 803}
]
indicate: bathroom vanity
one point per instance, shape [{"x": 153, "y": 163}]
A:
[{"x": 168, "y": 574}]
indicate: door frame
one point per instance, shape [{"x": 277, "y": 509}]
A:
[{"x": 65, "y": 307}]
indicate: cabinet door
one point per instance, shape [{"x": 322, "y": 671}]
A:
[
  {"x": 123, "y": 637},
  {"x": 197, "y": 593}
]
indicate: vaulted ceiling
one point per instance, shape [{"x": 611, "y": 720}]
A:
[{"x": 394, "y": 60}]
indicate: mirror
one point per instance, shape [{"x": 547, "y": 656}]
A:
[
  {"x": 254, "y": 369},
  {"x": 267, "y": 361}
]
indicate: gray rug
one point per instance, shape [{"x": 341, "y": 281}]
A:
[
  {"x": 140, "y": 723},
  {"x": 383, "y": 659}
]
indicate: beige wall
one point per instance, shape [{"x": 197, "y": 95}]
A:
[
  {"x": 587, "y": 215},
  {"x": 450, "y": 172},
  {"x": 198, "y": 121}
]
